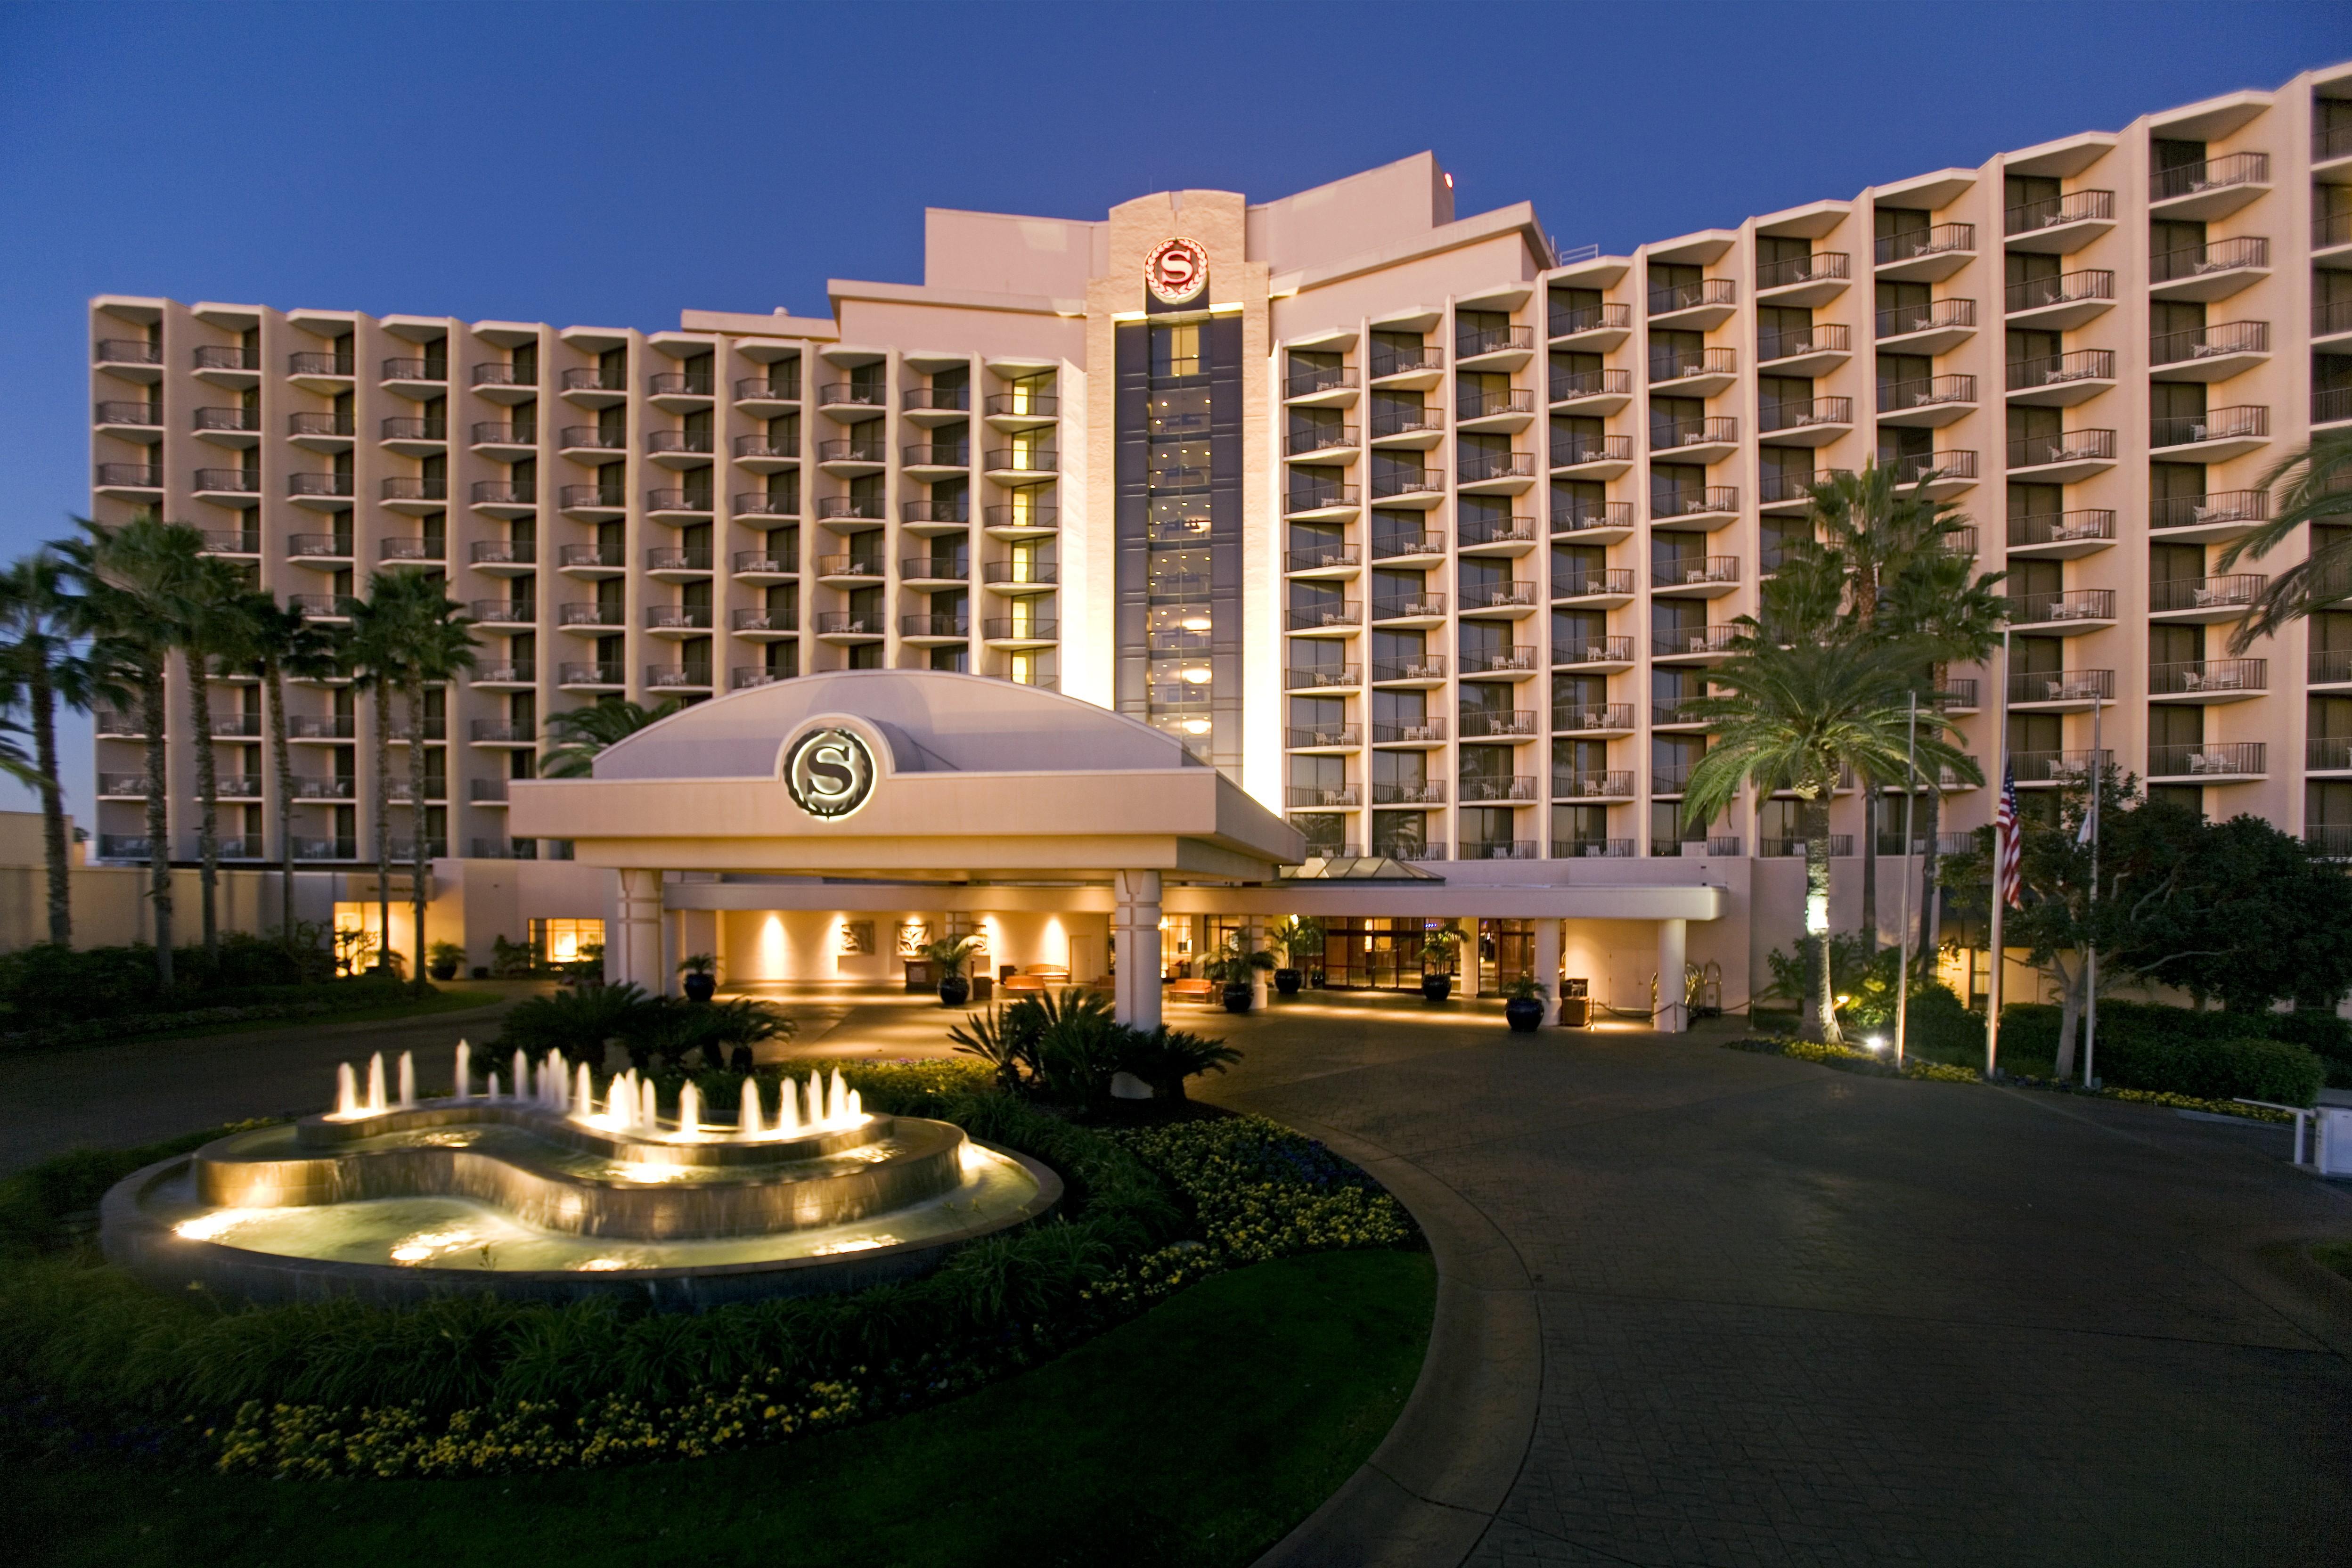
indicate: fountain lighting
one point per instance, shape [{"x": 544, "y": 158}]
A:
[
  {"x": 347, "y": 1092},
  {"x": 584, "y": 1095},
  {"x": 788, "y": 1109},
  {"x": 407, "y": 1080},
  {"x": 375, "y": 1084},
  {"x": 492, "y": 1092},
  {"x": 690, "y": 1110},
  {"x": 747, "y": 1116},
  {"x": 213, "y": 1226},
  {"x": 649, "y": 1107},
  {"x": 465, "y": 1073},
  {"x": 522, "y": 1072}
]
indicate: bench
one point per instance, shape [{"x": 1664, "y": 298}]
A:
[{"x": 1203, "y": 991}]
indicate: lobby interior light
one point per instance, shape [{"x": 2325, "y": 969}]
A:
[
  {"x": 1196, "y": 623},
  {"x": 1196, "y": 675},
  {"x": 1196, "y": 726}
]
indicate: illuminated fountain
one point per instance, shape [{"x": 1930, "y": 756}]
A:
[{"x": 540, "y": 1187}]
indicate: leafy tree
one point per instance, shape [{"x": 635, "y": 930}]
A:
[
  {"x": 278, "y": 642},
  {"x": 1793, "y": 718},
  {"x": 440, "y": 647},
  {"x": 577, "y": 734},
  {"x": 41, "y": 637},
  {"x": 212, "y": 611},
  {"x": 377, "y": 648},
  {"x": 2314, "y": 485}
]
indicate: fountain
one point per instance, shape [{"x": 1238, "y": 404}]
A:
[{"x": 535, "y": 1188}]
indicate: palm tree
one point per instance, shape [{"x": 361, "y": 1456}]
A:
[
  {"x": 277, "y": 642},
  {"x": 2306, "y": 487},
  {"x": 378, "y": 649},
  {"x": 1794, "y": 718},
  {"x": 439, "y": 646},
  {"x": 580, "y": 733},
  {"x": 212, "y": 608},
  {"x": 41, "y": 625},
  {"x": 134, "y": 581}
]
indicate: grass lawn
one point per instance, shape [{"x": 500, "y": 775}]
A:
[
  {"x": 440, "y": 1001},
  {"x": 1197, "y": 1435}
]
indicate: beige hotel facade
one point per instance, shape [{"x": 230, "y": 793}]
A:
[{"x": 1415, "y": 530}]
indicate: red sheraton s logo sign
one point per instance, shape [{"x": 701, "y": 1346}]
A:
[{"x": 1177, "y": 271}]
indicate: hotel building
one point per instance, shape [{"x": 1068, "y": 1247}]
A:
[{"x": 1417, "y": 528}]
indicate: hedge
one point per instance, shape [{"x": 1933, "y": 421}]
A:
[{"x": 2174, "y": 1050}]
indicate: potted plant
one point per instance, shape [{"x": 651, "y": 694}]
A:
[
  {"x": 701, "y": 971},
  {"x": 1437, "y": 950},
  {"x": 950, "y": 954},
  {"x": 441, "y": 959},
  {"x": 1233, "y": 966},
  {"x": 1298, "y": 937},
  {"x": 1524, "y": 1004}
]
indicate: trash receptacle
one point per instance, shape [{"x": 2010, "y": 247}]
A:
[{"x": 1576, "y": 1003}]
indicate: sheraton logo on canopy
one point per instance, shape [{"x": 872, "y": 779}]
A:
[
  {"x": 829, "y": 772},
  {"x": 1177, "y": 271}
]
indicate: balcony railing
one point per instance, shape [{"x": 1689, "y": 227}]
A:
[
  {"x": 1490, "y": 724},
  {"x": 1800, "y": 413},
  {"x": 1304, "y": 383},
  {"x": 2058, "y": 767},
  {"x": 2323, "y": 666},
  {"x": 231, "y": 541},
  {"x": 315, "y": 546},
  {"x": 1024, "y": 404},
  {"x": 2331, "y": 405},
  {"x": 1519, "y": 787},
  {"x": 2327, "y": 753},
  {"x": 592, "y": 673},
  {"x": 2243, "y": 421},
  {"x": 934, "y": 454},
  {"x": 940, "y": 568},
  {"x": 1569, "y": 320},
  {"x": 415, "y": 369},
  {"x": 1568, "y": 451},
  {"x": 678, "y": 677},
  {"x": 1408, "y": 733},
  {"x": 504, "y": 611},
  {"x": 1319, "y": 439},
  {"x": 127, "y": 350},
  {"x": 679, "y": 384},
  {"x": 504, "y": 433},
  {"x": 1499, "y": 595},
  {"x": 1592, "y": 582},
  {"x": 584, "y": 615},
  {"x": 2053, "y": 212},
  {"x": 677, "y": 617},
  {"x": 506, "y": 375},
  {"x": 2063, "y": 686},
  {"x": 151, "y": 414},
  {"x": 307, "y": 363},
  {"x": 1024, "y": 460},
  {"x": 1570, "y": 516},
  {"x": 150, "y": 477},
  {"x": 2221, "y": 507},
  {"x": 743, "y": 677},
  {"x": 2209, "y": 343},
  {"x": 2066, "y": 288},
  {"x": 2244, "y": 253},
  {"x": 850, "y": 565},
  {"x": 395, "y": 488},
  {"x": 1499, "y": 849},
  {"x": 2069, "y": 446},
  {"x": 1389, "y": 546},
  {"x": 670, "y": 558},
  {"x": 1567, "y": 385},
  {"x": 1319, "y": 556},
  {"x": 504, "y": 552},
  {"x": 2187, "y": 594},
  {"x": 2207, "y": 758},
  {"x": 1327, "y": 796},
  {"x": 590, "y": 438},
  {"x": 321, "y": 606},
  {"x": 249, "y": 420},
  {"x": 406, "y": 428},
  {"x": 1685, "y": 641},
  {"x": 581, "y": 497},
  {"x": 2201, "y": 676},
  {"x": 512, "y": 672},
  {"x": 2071, "y": 604},
  {"x": 1478, "y": 467},
  {"x": 2210, "y": 174},
  {"x": 321, "y": 726},
  {"x": 1840, "y": 846},
  {"x": 1428, "y": 481},
  {"x": 1593, "y": 719},
  {"x": 2062, "y": 527},
  {"x": 1821, "y": 337},
  {"x": 767, "y": 389},
  {"x": 1611, "y": 784},
  {"x": 222, "y": 356},
  {"x": 498, "y": 492},
  {"x": 1935, "y": 316},
  {"x": 1321, "y": 675},
  {"x": 849, "y": 623},
  {"x": 1779, "y": 489},
  {"x": 1409, "y": 792},
  {"x": 1298, "y": 737},
  {"x": 671, "y": 499},
  {"x": 594, "y": 378},
  {"x": 853, "y": 394},
  {"x": 1680, "y": 365},
  {"x": 1822, "y": 267},
  {"x": 784, "y": 619},
  {"x": 1692, "y": 500},
  {"x": 1493, "y": 339},
  {"x": 1015, "y": 628},
  {"x": 1499, "y": 661},
  {"x": 1470, "y": 404},
  {"x": 1937, "y": 239},
  {"x": 1593, "y": 650},
  {"x": 2059, "y": 370},
  {"x": 1926, "y": 392},
  {"x": 1315, "y": 617},
  {"x": 1666, "y": 299},
  {"x": 688, "y": 442}
]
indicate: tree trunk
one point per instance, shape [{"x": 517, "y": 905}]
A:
[
  {"x": 383, "y": 832},
  {"x": 200, "y": 720},
  {"x": 416, "y": 816},
  {"x": 1931, "y": 912},
  {"x": 1870, "y": 798},
  {"x": 2074, "y": 990},
  {"x": 43, "y": 699},
  {"x": 152, "y": 717},
  {"x": 1815, "y": 814},
  {"x": 283, "y": 761}
]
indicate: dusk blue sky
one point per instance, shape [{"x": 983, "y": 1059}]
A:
[{"x": 611, "y": 164}]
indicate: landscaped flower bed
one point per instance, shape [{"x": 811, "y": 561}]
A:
[
  {"x": 472, "y": 1385},
  {"x": 1845, "y": 1058}
]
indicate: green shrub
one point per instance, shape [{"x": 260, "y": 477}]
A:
[{"x": 2209, "y": 1069}]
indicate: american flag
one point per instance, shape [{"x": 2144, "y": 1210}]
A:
[{"x": 2005, "y": 844}]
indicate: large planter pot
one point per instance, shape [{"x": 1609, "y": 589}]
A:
[
  {"x": 954, "y": 991},
  {"x": 1525, "y": 1014},
  {"x": 1287, "y": 981},
  {"x": 700, "y": 987},
  {"x": 1436, "y": 987},
  {"x": 442, "y": 970},
  {"x": 1239, "y": 996}
]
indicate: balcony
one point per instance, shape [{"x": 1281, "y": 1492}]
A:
[
  {"x": 592, "y": 676},
  {"x": 2207, "y": 601},
  {"x": 935, "y": 569},
  {"x": 332, "y": 493},
  {"x": 1959, "y": 696},
  {"x": 1592, "y": 522},
  {"x": 1928, "y": 402},
  {"x": 589, "y": 439},
  {"x": 591, "y": 500},
  {"x": 1605, "y": 587},
  {"x": 2059, "y": 225},
  {"x": 766, "y": 396},
  {"x": 1694, "y": 503},
  {"x": 1322, "y": 677},
  {"x": 2064, "y": 458},
  {"x": 2207, "y": 681},
  {"x": 1513, "y": 600},
  {"x": 405, "y": 433},
  {"x": 1406, "y": 545},
  {"x": 1841, "y": 847},
  {"x": 1018, "y": 631},
  {"x": 322, "y": 606},
  {"x": 1692, "y": 643},
  {"x": 1590, "y": 327},
  {"x": 1693, "y": 307},
  {"x": 1323, "y": 558},
  {"x": 503, "y": 439},
  {"x": 677, "y": 678},
  {"x": 1427, "y": 670},
  {"x": 2061, "y": 768},
  {"x": 116, "y": 726},
  {"x": 934, "y": 459},
  {"x": 1425, "y": 732},
  {"x": 143, "y": 416},
  {"x": 1603, "y": 652},
  {"x": 498, "y": 557},
  {"x": 122, "y": 787},
  {"x": 2323, "y": 666},
  {"x": 1924, "y": 254},
  {"x": 496, "y": 497},
  {"x": 326, "y": 850},
  {"x": 757, "y": 503},
  {"x": 2331, "y": 319},
  {"x": 1022, "y": 408},
  {"x": 2060, "y": 380},
  {"x": 1786, "y": 491},
  {"x": 1937, "y": 327},
  {"x": 413, "y": 493},
  {"x": 1501, "y": 663},
  {"x": 1491, "y": 473},
  {"x": 1815, "y": 351},
  {"x": 303, "y": 369},
  {"x": 1334, "y": 384},
  {"x": 677, "y": 620},
  {"x": 1498, "y": 848},
  {"x": 2061, "y": 535},
  {"x": 2327, "y": 753},
  {"x": 128, "y": 353},
  {"x": 503, "y": 612},
  {"x": 687, "y": 448},
  {"x": 1511, "y": 408},
  {"x": 1406, "y": 488},
  {"x": 2209, "y": 519},
  {"x": 2210, "y": 762},
  {"x": 1599, "y": 719},
  {"x": 232, "y": 426},
  {"x": 511, "y": 672},
  {"x": 1320, "y": 438},
  {"x": 591, "y": 617},
  {"x": 1702, "y": 374},
  {"x": 671, "y": 563},
  {"x": 1337, "y": 737},
  {"x": 2207, "y": 189},
  {"x": 423, "y": 373},
  {"x": 1590, "y": 391},
  {"x": 2214, "y": 271},
  {"x": 2074, "y": 610},
  {"x": 1023, "y": 465},
  {"x": 1607, "y": 784},
  {"x": 1324, "y": 796},
  {"x": 1409, "y": 792},
  {"x": 2214, "y": 352},
  {"x": 1020, "y": 522},
  {"x": 1803, "y": 281},
  {"x": 1678, "y": 714},
  {"x": 852, "y": 399},
  {"x": 743, "y": 677},
  {"x": 680, "y": 503},
  {"x": 2213, "y": 436},
  {"x": 230, "y": 541},
  {"x": 318, "y": 546},
  {"x": 2068, "y": 690},
  {"x": 593, "y": 386},
  {"x": 1404, "y": 609},
  {"x": 590, "y": 561},
  {"x": 1590, "y": 457},
  {"x": 1506, "y": 789},
  {"x": 2061, "y": 304},
  {"x": 684, "y": 386},
  {"x": 320, "y": 727},
  {"x": 1814, "y": 422},
  {"x": 1341, "y": 616},
  {"x": 1421, "y": 428},
  {"x": 114, "y": 477},
  {"x": 767, "y": 625},
  {"x": 505, "y": 383},
  {"x": 1494, "y": 348},
  {"x": 853, "y": 565},
  {"x": 851, "y": 625}
]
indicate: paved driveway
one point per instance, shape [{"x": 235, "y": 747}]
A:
[{"x": 1714, "y": 1307}]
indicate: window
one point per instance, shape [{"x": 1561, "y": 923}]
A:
[
  {"x": 564, "y": 940},
  {"x": 1176, "y": 351}
]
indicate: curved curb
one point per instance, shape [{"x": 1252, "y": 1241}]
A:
[{"x": 1432, "y": 1488}]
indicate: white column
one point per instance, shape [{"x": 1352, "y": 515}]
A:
[
  {"x": 1468, "y": 957},
  {"x": 634, "y": 950},
  {"x": 1547, "y": 961},
  {"x": 1673, "y": 935},
  {"x": 1135, "y": 923},
  {"x": 1256, "y": 937}
]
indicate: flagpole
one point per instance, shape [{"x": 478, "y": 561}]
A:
[
  {"x": 2090, "y": 909},
  {"x": 2001, "y": 756},
  {"x": 1910, "y": 799}
]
